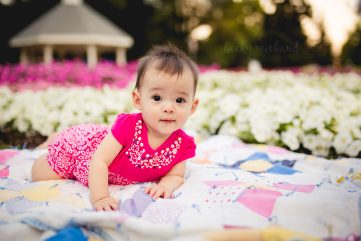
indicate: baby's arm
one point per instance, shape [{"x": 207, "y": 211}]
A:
[
  {"x": 98, "y": 174},
  {"x": 169, "y": 183}
]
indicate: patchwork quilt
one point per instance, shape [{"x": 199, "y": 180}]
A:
[{"x": 232, "y": 190}]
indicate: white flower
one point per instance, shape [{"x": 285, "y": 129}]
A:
[
  {"x": 263, "y": 129},
  {"x": 315, "y": 118},
  {"x": 22, "y": 124},
  {"x": 242, "y": 120},
  {"x": 316, "y": 145},
  {"x": 229, "y": 128},
  {"x": 228, "y": 105},
  {"x": 290, "y": 138},
  {"x": 341, "y": 141},
  {"x": 354, "y": 148}
]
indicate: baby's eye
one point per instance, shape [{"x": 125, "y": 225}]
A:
[
  {"x": 157, "y": 98},
  {"x": 180, "y": 100}
]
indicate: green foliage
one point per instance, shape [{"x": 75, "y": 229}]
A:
[
  {"x": 351, "y": 54},
  {"x": 284, "y": 43},
  {"x": 236, "y": 27},
  {"x": 168, "y": 24},
  {"x": 242, "y": 30}
]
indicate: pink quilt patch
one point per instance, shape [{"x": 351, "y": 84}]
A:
[
  {"x": 4, "y": 172},
  {"x": 260, "y": 201},
  {"x": 7, "y": 154}
]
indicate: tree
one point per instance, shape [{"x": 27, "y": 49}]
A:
[
  {"x": 236, "y": 27},
  {"x": 14, "y": 18},
  {"x": 321, "y": 52},
  {"x": 284, "y": 43},
  {"x": 351, "y": 54},
  {"x": 134, "y": 17},
  {"x": 168, "y": 24},
  {"x": 241, "y": 30}
]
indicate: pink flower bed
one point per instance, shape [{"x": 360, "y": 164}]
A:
[{"x": 71, "y": 73}]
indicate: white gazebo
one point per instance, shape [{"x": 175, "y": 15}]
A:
[{"x": 74, "y": 28}]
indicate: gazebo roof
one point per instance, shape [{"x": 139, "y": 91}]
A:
[{"x": 72, "y": 23}]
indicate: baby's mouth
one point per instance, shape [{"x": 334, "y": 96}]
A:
[{"x": 167, "y": 121}]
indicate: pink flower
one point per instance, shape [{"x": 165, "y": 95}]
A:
[{"x": 71, "y": 73}]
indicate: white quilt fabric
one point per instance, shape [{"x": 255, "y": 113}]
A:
[{"x": 229, "y": 185}]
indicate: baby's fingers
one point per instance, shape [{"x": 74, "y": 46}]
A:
[
  {"x": 99, "y": 208},
  {"x": 167, "y": 195},
  {"x": 114, "y": 205},
  {"x": 102, "y": 208},
  {"x": 107, "y": 208},
  {"x": 147, "y": 189},
  {"x": 152, "y": 191},
  {"x": 107, "y": 204},
  {"x": 158, "y": 193}
]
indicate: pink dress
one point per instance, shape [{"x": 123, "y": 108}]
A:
[{"x": 71, "y": 152}]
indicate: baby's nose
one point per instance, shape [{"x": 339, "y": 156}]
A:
[{"x": 168, "y": 107}]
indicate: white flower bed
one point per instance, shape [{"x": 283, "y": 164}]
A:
[
  {"x": 319, "y": 112},
  {"x": 54, "y": 109}
]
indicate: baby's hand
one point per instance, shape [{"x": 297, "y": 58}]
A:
[
  {"x": 155, "y": 191},
  {"x": 106, "y": 204}
]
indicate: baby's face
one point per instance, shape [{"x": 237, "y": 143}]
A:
[{"x": 166, "y": 101}]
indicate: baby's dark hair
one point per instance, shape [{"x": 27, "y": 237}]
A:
[{"x": 169, "y": 59}]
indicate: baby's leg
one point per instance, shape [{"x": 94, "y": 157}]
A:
[{"x": 41, "y": 171}]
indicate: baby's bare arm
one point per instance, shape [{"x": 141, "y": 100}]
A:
[{"x": 98, "y": 174}]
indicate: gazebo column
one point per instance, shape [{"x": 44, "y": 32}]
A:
[
  {"x": 24, "y": 58},
  {"x": 92, "y": 55},
  {"x": 48, "y": 54},
  {"x": 120, "y": 56}
]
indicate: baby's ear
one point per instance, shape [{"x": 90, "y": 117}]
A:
[
  {"x": 194, "y": 105},
  {"x": 136, "y": 99}
]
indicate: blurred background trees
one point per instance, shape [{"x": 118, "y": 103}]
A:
[
  {"x": 230, "y": 33},
  {"x": 352, "y": 51}
]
